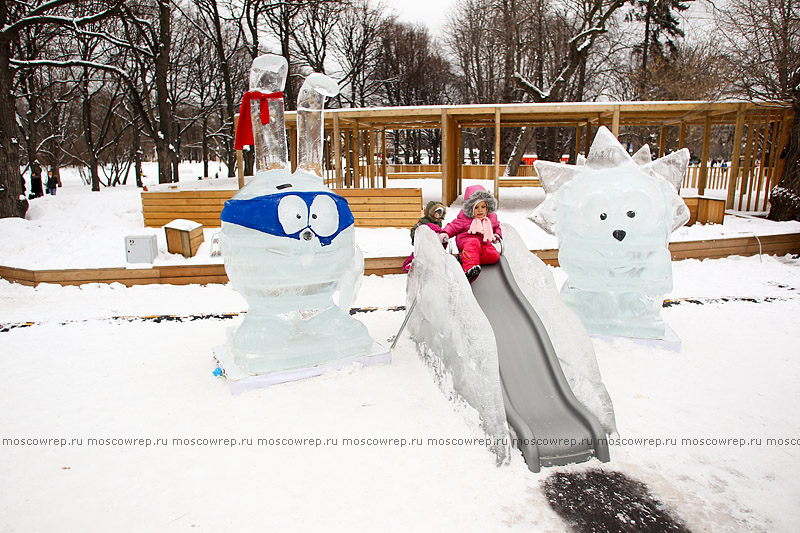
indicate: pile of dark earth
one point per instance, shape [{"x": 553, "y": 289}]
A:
[{"x": 603, "y": 501}]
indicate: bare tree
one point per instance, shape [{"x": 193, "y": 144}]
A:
[
  {"x": 356, "y": 50},
  {"x": 312, "y": 37},
  {"x": 589, "y": 19},
  {"x": 227, "y": 42},
  {"x": 763, "y": 40},
  {"x": 16, "y": 17}
]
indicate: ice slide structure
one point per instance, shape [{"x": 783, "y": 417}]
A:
[{"x": 509, "y": 348}]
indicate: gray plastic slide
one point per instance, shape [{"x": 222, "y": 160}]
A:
[{"x": 551, "y": 427}]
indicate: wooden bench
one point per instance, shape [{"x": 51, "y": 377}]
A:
[
  {"x": 705, "y": 210},
  {"x": 372, "y": 208},
  {"x": 520, "y": 182},
  {"x": 203, "y": 207},
  {"x": 382, "y": 208}
]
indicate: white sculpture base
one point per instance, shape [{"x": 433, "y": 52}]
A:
[
  {"x": 240, "y": 381},
  {"x": 670, "y": 340}
]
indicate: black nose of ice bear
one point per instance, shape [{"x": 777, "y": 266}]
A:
[
  {"x": 619, "y": 234},
  {"x": 307, "y": 235}
]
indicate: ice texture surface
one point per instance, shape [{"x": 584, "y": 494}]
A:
[
  {"x": 613, "y": 218},
  {"x": 310, "y": 131},
  {"x": 268, "y": 75},
  {"x": 289, "y": 249},
  {"x": 566, "y": 332},
  {"x": 454, "y": 337}
]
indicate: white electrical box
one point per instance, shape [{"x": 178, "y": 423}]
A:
[{"x": 141, "y": 248}]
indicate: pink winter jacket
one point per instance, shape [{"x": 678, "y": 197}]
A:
[{"x": 459, "y": 227}]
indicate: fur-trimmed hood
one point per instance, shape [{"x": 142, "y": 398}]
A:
[
  {"x": 475, "y": 194},
  {"x": 432, "y": 206}
]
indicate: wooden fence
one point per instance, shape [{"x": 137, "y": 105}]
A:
[{"x": 204, "y": 274}]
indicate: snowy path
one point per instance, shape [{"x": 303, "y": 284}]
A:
[{"x": 105, "y": 379}]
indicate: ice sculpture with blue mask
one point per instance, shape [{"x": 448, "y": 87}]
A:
[
  {"x": 288, "y": 241},
  {"x": 613, "y": 218}
]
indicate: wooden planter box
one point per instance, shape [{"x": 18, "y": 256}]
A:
[
  {"x": 184, "y": 237},
  {"x": 705, "y": 210}
]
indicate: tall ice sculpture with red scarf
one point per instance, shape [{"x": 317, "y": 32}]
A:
[{"x": 288, "y": 241}]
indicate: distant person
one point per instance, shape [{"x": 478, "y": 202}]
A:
[
  {"x": 434, "y": 214},
  {"x": 36, "y": 180},
  {"x": 52, "y": 182},
  {"x": 433, "y": 218},
  {"x": 475, "y": 228}
]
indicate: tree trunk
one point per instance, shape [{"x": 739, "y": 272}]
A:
[
  {"x": 88, "y": 134},
  {"x": 525, "y": 136},
  {"x": 645, "y": 49},
  {"x": 12, "y": 201},
  {"x": 137, "y": 154},
  {"x": 162, "y": 62},
  {"x": 205, "y": 147},
  {"x": 785, "y": 197}
]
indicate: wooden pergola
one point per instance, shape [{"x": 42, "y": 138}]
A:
[{"x": 761, "y": 133}]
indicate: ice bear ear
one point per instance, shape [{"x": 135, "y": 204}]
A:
[
  {"x": 544, "y": 215},
  {"x": 554, "y": 175},
  {"x": 643, "y": 155},
  {"x": 680, "y": 213},
  {"x": 606, "y": 151},
  {"x": 671, "y": 167}
]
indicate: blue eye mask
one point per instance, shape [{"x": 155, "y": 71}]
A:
[{"x": 292, "y": 214}]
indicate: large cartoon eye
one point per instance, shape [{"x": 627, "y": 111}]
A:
[
  {"x": 324, "y": 216},
  {"x": 292, "y": 214},
  {"x": 631, "y": 214},
  {"x": 603, "y": 216}
]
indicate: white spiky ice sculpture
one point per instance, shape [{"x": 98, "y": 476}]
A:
[
  {"x": 613, "y": 218},
  {"x": 288, "y": 242}
]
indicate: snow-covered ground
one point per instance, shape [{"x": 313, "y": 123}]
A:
[{"x": 81, "y": 372}]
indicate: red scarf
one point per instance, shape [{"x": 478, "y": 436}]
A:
[{"x": 244, "y": 129}]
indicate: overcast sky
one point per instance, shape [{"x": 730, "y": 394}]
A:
[{"x": 429, "y": 12}]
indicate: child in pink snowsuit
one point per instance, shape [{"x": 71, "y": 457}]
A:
[{"x": 475, "y": 228}]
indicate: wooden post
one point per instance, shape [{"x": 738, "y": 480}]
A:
[
  {"x": 348, "y": 158},
  {"x": 615, "y": 122},
  {"x": 371, "y": 156},
  {"x": 337, "y": 151},
  {"x": 383, "y": 157},
  {"x": 745, "y": 183},
  {"x": 701, "y": 185},
  {"x": 496, "y": 153},
  {"x": 357, "y": 156},
  {"x": 449, "y": 178},
  {"x": 733, "y": 171},
  {"x": 239, "y": 157},
  {"x": 755, "y": 184},
  {"x": 578, "y": 131},
  {"x": 682, "y": 136},
  {"x": 763, "y": 176},
  {"x": 588, "y": 138},
  {"x": 293, "y": 149},
  {"x": 459, "y": 152}
]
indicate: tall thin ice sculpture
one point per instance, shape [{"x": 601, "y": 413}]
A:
[{"x": 288, "y": 242}]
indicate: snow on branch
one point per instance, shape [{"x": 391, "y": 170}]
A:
[
  {"x": 536, "y": 92},
  {"x": 39, "y": 16},
  {"x": 69, "y": 63}
]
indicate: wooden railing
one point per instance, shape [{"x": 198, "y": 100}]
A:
[
  {"x": 371, "y": 208},
  {"x": 203, "y": 274}
]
